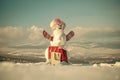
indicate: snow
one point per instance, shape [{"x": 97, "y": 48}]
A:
[
  {"x": 117, "y": 64},
  {"x": 41, "y": 71}
]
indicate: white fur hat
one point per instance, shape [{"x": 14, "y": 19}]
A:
[{"x": 56, "y": 22}]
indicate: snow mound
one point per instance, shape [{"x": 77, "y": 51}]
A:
[
  {"x": 41, "y": 71},
  {"x": 117, "y": 64}
]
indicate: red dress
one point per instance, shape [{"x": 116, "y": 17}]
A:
[{"x": 60, "y": 50}]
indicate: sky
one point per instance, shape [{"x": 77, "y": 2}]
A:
[{"x": 85, "y": 13}]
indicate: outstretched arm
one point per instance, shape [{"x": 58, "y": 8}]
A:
[
  {"x": 47, "y": 35},
  {"x": 69, "y": 35}
]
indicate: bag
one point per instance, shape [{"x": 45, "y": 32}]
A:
[
  {"x": 55, "y": 58},
  {"x": 56, "y": 55}
]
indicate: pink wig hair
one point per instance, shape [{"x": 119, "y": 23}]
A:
[{"x": 55, "y": 22}]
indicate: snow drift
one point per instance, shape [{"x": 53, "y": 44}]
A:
[{"x": 41, "y": 71}]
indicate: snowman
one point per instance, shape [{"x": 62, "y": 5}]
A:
[{"x": 56, "y": 52}]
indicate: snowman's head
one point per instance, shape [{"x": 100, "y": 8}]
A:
[{"x": 57, "y": 24}]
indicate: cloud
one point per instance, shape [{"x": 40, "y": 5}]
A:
[
  {"x": 86, "y": 37},
  {"x": 86, "y": 32},
  {"x": 89, "y": 37},
  {"x": 11, "y": 36},
  {"x": 35, "y": 33},
  {"x": 11, "y": 32}
]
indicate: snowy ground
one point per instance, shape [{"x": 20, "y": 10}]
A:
[{"x": 41, "y": 71}]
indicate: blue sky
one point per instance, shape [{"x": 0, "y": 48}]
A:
[{"x": 86, "y": 13}]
